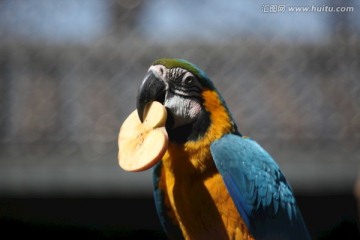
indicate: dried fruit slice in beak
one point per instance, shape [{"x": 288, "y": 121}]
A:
[{"x": 142, "y": 145}]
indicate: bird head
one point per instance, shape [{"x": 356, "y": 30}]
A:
[{"x": 188, "y": 95}]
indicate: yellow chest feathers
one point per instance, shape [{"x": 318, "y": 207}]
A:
[{"x": 199, "y": 201}]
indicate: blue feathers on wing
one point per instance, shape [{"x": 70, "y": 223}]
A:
[{"x": 258, "y": 188}]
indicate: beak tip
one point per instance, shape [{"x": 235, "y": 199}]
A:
[{"x": 140, "y": 106}]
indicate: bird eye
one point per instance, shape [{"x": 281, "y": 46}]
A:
[{"x": 189, "y": 80}]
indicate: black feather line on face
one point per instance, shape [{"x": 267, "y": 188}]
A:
[
  {"x": 192, "y": 131},
  {"x": 192, "y": 94},
  {"x": 176, "y": 74}
]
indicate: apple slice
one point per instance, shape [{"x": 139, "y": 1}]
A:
[{"x": 142, "y": 145}]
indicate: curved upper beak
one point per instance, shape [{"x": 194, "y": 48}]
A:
[{"x": 151, "y": 89}]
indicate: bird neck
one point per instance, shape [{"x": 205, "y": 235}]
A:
[
  {"x": 197, "y": 152},
  {"x": 220, "y": 118}
]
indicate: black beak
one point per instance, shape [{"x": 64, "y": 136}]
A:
[{"x": 151, "y": 89}]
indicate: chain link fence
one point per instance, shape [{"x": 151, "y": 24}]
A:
[{"x": 62, "y": 103}]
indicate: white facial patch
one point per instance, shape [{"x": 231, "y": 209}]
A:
[{"x": 184, "y": 110}]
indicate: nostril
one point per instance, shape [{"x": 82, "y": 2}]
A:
[
  {"x": 161, "y": 70},
  {"x": 158, "y": 70}
]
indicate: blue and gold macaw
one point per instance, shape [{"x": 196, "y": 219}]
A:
[{"x": 212, "y": 182}]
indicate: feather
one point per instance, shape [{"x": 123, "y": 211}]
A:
[{"x": 276, "y": 205}]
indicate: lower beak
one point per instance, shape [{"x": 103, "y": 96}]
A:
[{"x": 151, "y": 89}]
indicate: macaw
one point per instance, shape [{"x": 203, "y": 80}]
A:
[{"x": 212, "y": 182}]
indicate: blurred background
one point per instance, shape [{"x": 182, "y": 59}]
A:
[{"x": 69, "y": 73}]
